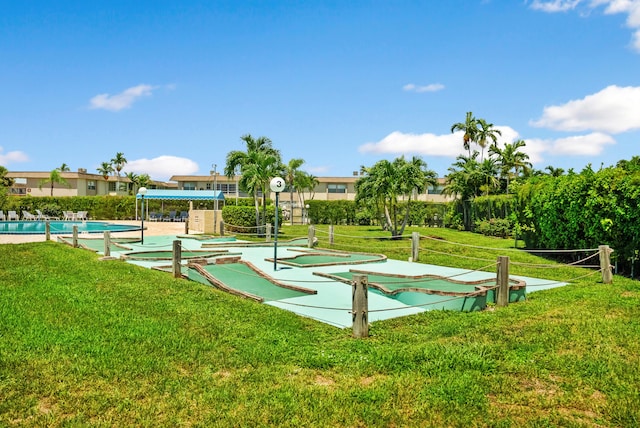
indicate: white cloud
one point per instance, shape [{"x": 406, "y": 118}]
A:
[
  {"x": 121, "y": 101},
  {"x": 629, "y": 7},
  {"x": 446, "y": 145},
  {"x": 421, "y": 144},
  {"x": 581, "y": 145},
  {"x": 162, "y": 167},
  {"x": 15, "y": 156},
  {"x": 433, "y": 87},
  {"x": 555, "y": 5},
  {"x": 450, "y": 145},
  {"x": 613, "y": 110}
]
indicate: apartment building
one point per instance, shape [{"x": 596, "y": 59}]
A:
[{"x": 79, "y": 183}]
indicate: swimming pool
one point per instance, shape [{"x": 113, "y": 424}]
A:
[{"x": 61, "y": 227}]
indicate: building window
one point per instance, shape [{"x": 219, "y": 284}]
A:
[
  {"x": 112, "y": 186},
  {"x": 208, "y": 186},
  {"x": 91, "y": 185},
  {"x": 189, "y": 186},
  {"x": 336, "y": 188}
]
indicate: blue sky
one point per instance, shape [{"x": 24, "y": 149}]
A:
[{"x": 174, "y": 85}]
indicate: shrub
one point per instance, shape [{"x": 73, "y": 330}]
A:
[{"x": 500, "y": 227}]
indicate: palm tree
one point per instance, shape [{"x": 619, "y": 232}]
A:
[
  {"x": 118, "y": 162},
  {"x": 5, "y": 183},
  {"x": 55, "y": 176},
  {"x": 144, "y": 180},
  {"x": 386, "y": 182},
  {"x": 64, "y": 168},
  {"x": 464, "y": 182},
  {"x": 306, "y": 183},
  {"x": 470, "y": 129},
  {"x": 133, "y": 178},
  {"x": 485, "y": 133},
  {"x": 510, "y": 158},
  {"x": 4, "y": 180},
  {"x": 258, "y": 164},
  {"x": 105, "y": 169},
  {"x": 554, "y": 172},
  {"x": 489, "y": 175},
  {"x": 292, "y": 174}
]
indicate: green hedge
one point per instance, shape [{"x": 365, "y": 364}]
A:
[
  {"x": 350, "y": 213},
  {"x": 584, "y": 211},
  {"x": 242, "y": 218}
]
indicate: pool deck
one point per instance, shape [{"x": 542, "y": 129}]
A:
[{"x": 331, "y": 304}]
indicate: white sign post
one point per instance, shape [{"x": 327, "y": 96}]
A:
[{"x": 277, "y": 186}]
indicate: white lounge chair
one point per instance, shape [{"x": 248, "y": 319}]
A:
[
  {"x": 2, "y": 217},
  {"x": 42, "y": 216},
  {"x": 12, "y": 216},
  {"x": 81, "y": 215},
  {"x": 26, "y": 215}
]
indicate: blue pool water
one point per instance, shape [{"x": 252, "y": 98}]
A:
[{"x": 61, "y": 227}]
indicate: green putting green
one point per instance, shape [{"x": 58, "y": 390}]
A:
[{"x": 241, "y": 277}]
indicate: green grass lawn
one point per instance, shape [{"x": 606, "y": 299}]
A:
[{"x": 88, "y": 342}]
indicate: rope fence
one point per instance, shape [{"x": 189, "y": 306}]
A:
[{"x": 359, "y": 281}]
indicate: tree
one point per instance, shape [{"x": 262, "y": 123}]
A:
[
  {"x": 464, "y": 182},
  {"x": 554, "y": 172},
  {"x": 292, "y": 174},
  {"x": 118, "y": 162},
  {"x": 470, "y": 129},
  {"x": 144, "y": 180},
  {"x": 484, "y": 134},
  {"x": 306, "y": 183},
  {"x": 5, "y": 183},
  {"x": 258, "y": 164},
  {"x": 105, "y": 169},
  {"x": 4, "y": 180},
  {"x": 488, "y": 171},
  {"x": 64, "y": 168},
  {"x": 55, "y": 176},
  {"x": 511, "y": 160},
  {"x": 133, "y": 178},
  {"x": 386, "y": 182}
]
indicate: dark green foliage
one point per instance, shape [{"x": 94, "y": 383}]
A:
[
  {"x": 242, "y": 219},
  {"x": 500, "y": 227},
  {"x": 583, "y": 211},
  {"x": 332, "y": 212},
  {"x": 98, "y": 207}
]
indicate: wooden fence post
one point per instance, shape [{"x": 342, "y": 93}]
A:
[
  {"x": 186, "y": 226},
  {"x": 605, "y": 264},
  {"x": 107, "y": 243},
  {"x": 415, "y": 246},
  {"x": 311, "y": 236},
  {"x": 221, "y": 227},
  {"x": 268, "y": 232},
  {"x": 177, "y": 259},
  {"x": 75, "y": 236},
  {"x": 503, "y": 281},
  {"x": 360, "y": 306},
  {"x": 47, "y": 231},
  {"x": 330, "y": 234}
]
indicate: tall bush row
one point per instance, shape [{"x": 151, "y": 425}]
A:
[{"x": 584, "y": 210}]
